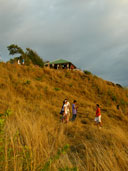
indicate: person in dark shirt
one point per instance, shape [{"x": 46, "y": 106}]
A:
[{"x": 74, "y": 110}]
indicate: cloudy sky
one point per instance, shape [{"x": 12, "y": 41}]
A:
[{"x": 93, "y": 34}]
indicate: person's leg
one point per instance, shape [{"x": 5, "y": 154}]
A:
[
  {"x": 73, "y": 117},
  {"x": 95, "y": 121},
  {"x": 63, "y": 118},
  {"x": 100, "y": 123},
  {"x": 68, "y": 116}
]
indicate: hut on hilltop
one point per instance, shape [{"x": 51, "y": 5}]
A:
[{"x": 60, "y": 64}]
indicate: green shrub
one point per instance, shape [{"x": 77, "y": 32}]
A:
[
  {"x": 87, "y": 72},
  {"x": 27, "y": 82},
  {"x": 39, "y": 78},
  {"x": 112, "y": 95},
  {"x": 46, "y": 89},
  {"x": 57, "y": 89},
  {"x": 122, "y": 102},
  {"x": 8, "y": 112},
  {"x": 55, "y": 158},
  {"x": 70, "y": 85},
  {"x": 114, "y": 98},
  {"x": 68, "y": 75}
]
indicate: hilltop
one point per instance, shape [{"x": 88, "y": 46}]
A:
[{"x": 31, "y": 132}]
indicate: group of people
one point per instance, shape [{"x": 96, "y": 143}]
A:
[
  {"x": 20, "y": 61},
  {"x": 66, "y": 111}
]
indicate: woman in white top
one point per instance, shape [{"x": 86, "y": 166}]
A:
[
  {"x": 66, "y": 110},
  {"x": 68, "y": 115}
]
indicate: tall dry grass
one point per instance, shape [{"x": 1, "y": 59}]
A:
[
  {"x": 32, "y": 139},
  {"x": 31, "y": 132}
]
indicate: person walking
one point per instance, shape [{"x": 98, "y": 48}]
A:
[
  {"x": 74, "y": 110},
  {"x": 62, "y": 111},
  {"x": 68, "y": 110},
  {"x": 98, "y": 117}
]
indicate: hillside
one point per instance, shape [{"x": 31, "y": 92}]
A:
[{"x": 32, "y": 136}]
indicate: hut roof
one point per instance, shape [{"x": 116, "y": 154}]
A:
[{"x": 60, "y": 61}]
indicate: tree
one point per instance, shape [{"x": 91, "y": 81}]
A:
[
  {"x": 34, "y": 57},
  {"x": 29, "y": 56},
  {"x": 14, "y": 49}
]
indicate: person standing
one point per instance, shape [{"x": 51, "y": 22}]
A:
[
  {"x": 18, "y": 61},
  {"x": 98, "y": 116},
  {"x": 68, "y": 110},
  {"x": 23, "y": 61},
  {"x": 62, "y": 111},
  {"x": 74, "y": 110},
  {"x": 65, "y": 114}
]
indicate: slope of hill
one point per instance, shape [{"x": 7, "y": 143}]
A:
[{"x": 32, "y": 136}]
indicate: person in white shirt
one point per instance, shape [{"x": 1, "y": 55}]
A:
[
  {"x": 18, "y": 61},
  {"x": 67, "y": 110},
  {"x": 64, "y": 118}
]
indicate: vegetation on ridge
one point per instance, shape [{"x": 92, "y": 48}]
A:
[
  {"x": 32, "y": 136},
  {"x": 29, "y": 56}
]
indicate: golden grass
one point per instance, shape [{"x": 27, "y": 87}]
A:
[{"x": 32, "y": 134}]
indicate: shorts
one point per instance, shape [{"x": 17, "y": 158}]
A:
[{"x": 98, "y": 119}]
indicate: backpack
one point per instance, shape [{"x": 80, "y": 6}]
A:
[{"x": 62, "y": 110}]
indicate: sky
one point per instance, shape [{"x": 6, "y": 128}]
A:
[{"x": 92, "y": 34}]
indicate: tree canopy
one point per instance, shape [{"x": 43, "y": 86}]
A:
[
  {"x": 29, "y": 56},
  {"x": 14, "y": 49}
]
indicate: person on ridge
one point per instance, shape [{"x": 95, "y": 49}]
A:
[
  {"x": 98, "y": 116},
  {"x": 18, "y": 61},
  {"x": 23, "y": 61}
]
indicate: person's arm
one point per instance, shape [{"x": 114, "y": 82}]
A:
[
  {"x": 76, "y": 106},
  {"x": 64, "y": 110},
  {"x": 69, "y": 106}
]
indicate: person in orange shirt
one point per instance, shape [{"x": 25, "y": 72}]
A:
[{"x": 98, "y": 116}]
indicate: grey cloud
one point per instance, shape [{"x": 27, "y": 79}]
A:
[{"x": 91, "y": 33}]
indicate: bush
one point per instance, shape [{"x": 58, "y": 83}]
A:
[
  {"x": 122, "y": 102},
  {"x": 87, "y": 72},
  {"x": 70, "y": 85},
  {"x": 27, "y": 82},
  {"x": 39, "y": 78},
  {"x": 118, "y": 85},
  {"x": 68, "y": 75},
  {"x": 57, "y": 89},
  {"x": 114, "y": 98}
]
